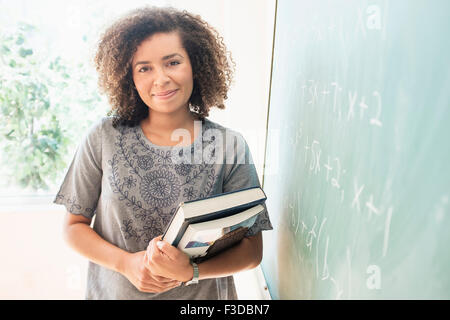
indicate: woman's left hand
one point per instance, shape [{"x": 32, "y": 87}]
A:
[{"x": 167, "y": 261}]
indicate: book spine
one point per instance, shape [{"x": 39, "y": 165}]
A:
[
  {"x": 227, "y": 193},
  {"x": 171, "y": 220}
]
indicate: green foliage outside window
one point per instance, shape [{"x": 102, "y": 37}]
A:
[{"x": 46, "y": 105}]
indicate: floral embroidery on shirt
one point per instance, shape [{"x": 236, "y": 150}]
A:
[
  {"x": 160, "y": 188},
  {"x": 73, "y": 206},
  {"x": 145, "y": 162},
  {"x": 183, "y": 169},
  {"x": 189, "y": 193},
  {"x": 157, "y": 179},
  {"x": 129, "y": 182}
]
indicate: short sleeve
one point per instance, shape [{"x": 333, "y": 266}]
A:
[
  {"x": 240, "y": 174},
  {"x": 81, "y": 187}
]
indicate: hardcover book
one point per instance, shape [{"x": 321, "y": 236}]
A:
[
  {"x": 211, "y": 219},
  {"x": 206, "y": 239}
]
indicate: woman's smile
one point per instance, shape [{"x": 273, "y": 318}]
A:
[{"x": 165, "y": 95}]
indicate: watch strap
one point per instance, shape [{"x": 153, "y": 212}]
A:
[{"x": 195, "y": 277}]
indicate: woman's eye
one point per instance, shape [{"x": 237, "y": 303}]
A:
[
  {"x": 144, "y": 69},
  {"x": 173, "y": 63}
]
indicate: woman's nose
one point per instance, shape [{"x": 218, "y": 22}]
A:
[{"x": 161, "y": 77}]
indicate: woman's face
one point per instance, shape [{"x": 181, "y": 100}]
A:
[{"x": 162, "y": 73}]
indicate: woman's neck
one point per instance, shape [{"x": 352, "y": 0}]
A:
[{"x": 163, "y": 125}]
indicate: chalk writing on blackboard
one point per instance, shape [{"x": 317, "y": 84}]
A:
[
  {"x": 339, "y": 102},
  {"x": 387, "y": 227},
  {"x": 374, "y": 280},
  {"x": 358, "y": 189}
]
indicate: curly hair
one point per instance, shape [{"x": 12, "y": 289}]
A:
[{"x": 212, "y": 64}]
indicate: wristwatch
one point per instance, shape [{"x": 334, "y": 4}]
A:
[{"x": 194, "y": 279}]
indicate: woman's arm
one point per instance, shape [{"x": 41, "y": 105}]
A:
[
  {"x": 167, "y": 261},
  {"x": 82, "y": 238}
]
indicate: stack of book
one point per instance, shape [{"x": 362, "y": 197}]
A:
[{"x": 205, "y": 227}]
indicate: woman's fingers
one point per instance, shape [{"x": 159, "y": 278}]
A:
[
  {"x": 154, "y": 283},
  {"x": 155, "y": 287},
  {"x": 163, "y": 279},
  {"x": 164, "y": 282}
]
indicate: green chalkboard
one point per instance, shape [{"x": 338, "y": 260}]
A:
[{"x": 357, "y": 168}]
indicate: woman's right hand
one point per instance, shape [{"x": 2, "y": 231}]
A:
[{"x": 142, "y": 278}]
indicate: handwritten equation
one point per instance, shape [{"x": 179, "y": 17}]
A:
[{"x": 345, "y": 104}]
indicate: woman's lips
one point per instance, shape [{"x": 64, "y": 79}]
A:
[{"x": 166, "y": 95}]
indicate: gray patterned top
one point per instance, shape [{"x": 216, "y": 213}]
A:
[{"x": 132, "y": 188}]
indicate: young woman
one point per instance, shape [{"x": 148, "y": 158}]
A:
[{"x": 162, "y": 70}]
